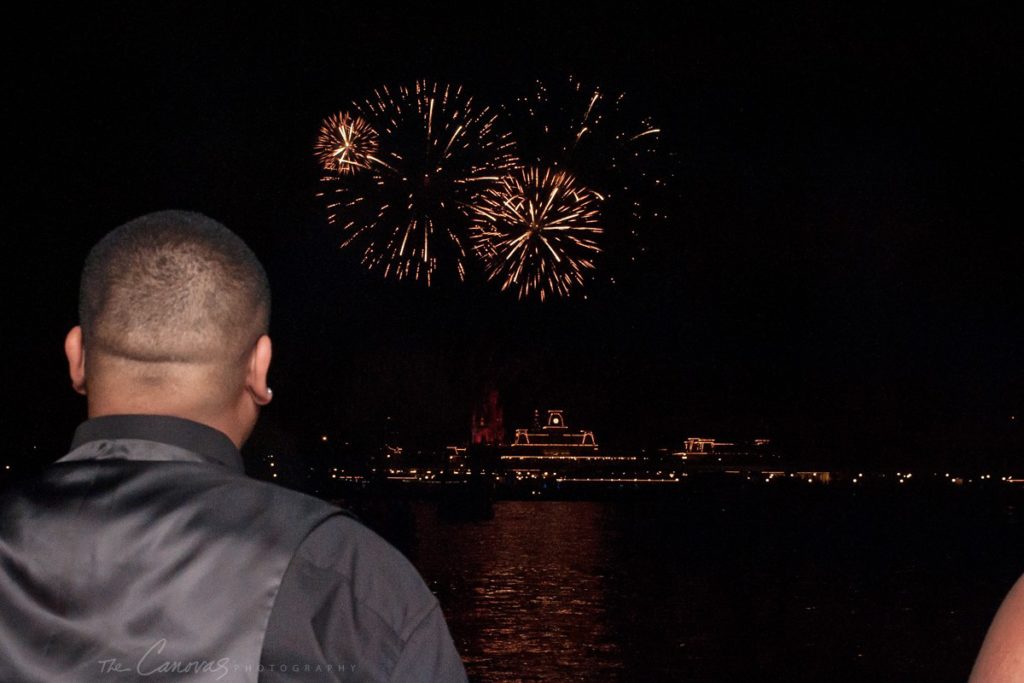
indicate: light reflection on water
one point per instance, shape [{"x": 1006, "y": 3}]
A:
[
  {"x": 793, "y": 585},
  {"x": 529, "y": 585}
]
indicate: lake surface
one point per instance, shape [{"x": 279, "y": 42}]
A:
[{"x": 784, "y": 584}]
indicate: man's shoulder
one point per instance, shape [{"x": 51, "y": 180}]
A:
[
  {"x": 179, "y": 489},
  {"x": 284, "y": 496},
  {"x": 364, "y": 565},
  {"x": 321, "y": 517},
  {"x": 350, "y": 596}
]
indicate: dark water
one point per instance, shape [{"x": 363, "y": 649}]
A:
[{"x": 726, "y": 585}]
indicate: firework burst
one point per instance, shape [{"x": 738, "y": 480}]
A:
[
  {"x": 346, "y": 144},
  {"x": 598, "y": 137},
  {"x": 438, "y": 150},
  {"x": 536, "y": 232}
]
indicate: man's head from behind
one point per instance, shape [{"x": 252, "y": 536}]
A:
[{"x": 174, "y": 310}]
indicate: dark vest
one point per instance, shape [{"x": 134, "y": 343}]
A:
[{"x": 117, "y": 568}]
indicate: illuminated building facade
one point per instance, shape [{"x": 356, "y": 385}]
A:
[
  {"x": 553, "y": 440},
  {"x": 551, "y": 451},
  {"x": 700, "y": 449},
  {"x": 697, "y": 444}
]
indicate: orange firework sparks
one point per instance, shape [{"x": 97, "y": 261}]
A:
[
  {"x": 610, "y": 147},
  {"x": 346, "y": 144},
  {"x": 438, "y": 149},
  {"x": 536, "y": 232}
]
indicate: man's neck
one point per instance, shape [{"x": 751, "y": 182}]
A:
[{"x": 224, "y": 423}]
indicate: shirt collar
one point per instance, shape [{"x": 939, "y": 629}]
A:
[{"x": 209, "y": 443}]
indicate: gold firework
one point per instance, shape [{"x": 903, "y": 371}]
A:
[
  {"x": 346, "y": 143},
  {"x": 536, "y": 232},
  {"x": 609, "y": 145},
  {"x": 438, "y": 149}
]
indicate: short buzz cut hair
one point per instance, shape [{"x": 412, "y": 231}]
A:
[{"x": 173, "y": 286}]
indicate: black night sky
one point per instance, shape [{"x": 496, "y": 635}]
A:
[{"x": 841, "y": 271}]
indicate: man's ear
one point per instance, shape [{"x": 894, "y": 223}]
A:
[
  {"x": 74, "y": 349},
  {"x": 256, "y": 377}
]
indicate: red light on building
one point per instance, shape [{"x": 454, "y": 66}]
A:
[{"x": 488, "y": 421}]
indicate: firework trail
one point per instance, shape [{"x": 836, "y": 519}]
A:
[
  {"x": 408, "y": 213},
  {"x": 585, "y": 129},
  {"x": 536, "y": 232}
]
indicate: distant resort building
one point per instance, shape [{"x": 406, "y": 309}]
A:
[
  {"x": 551, "y": 450},
  {"x": 549, "y": 458},
  {"x": 553, "y": 440},
  {"x": 698, "y": 446}
]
